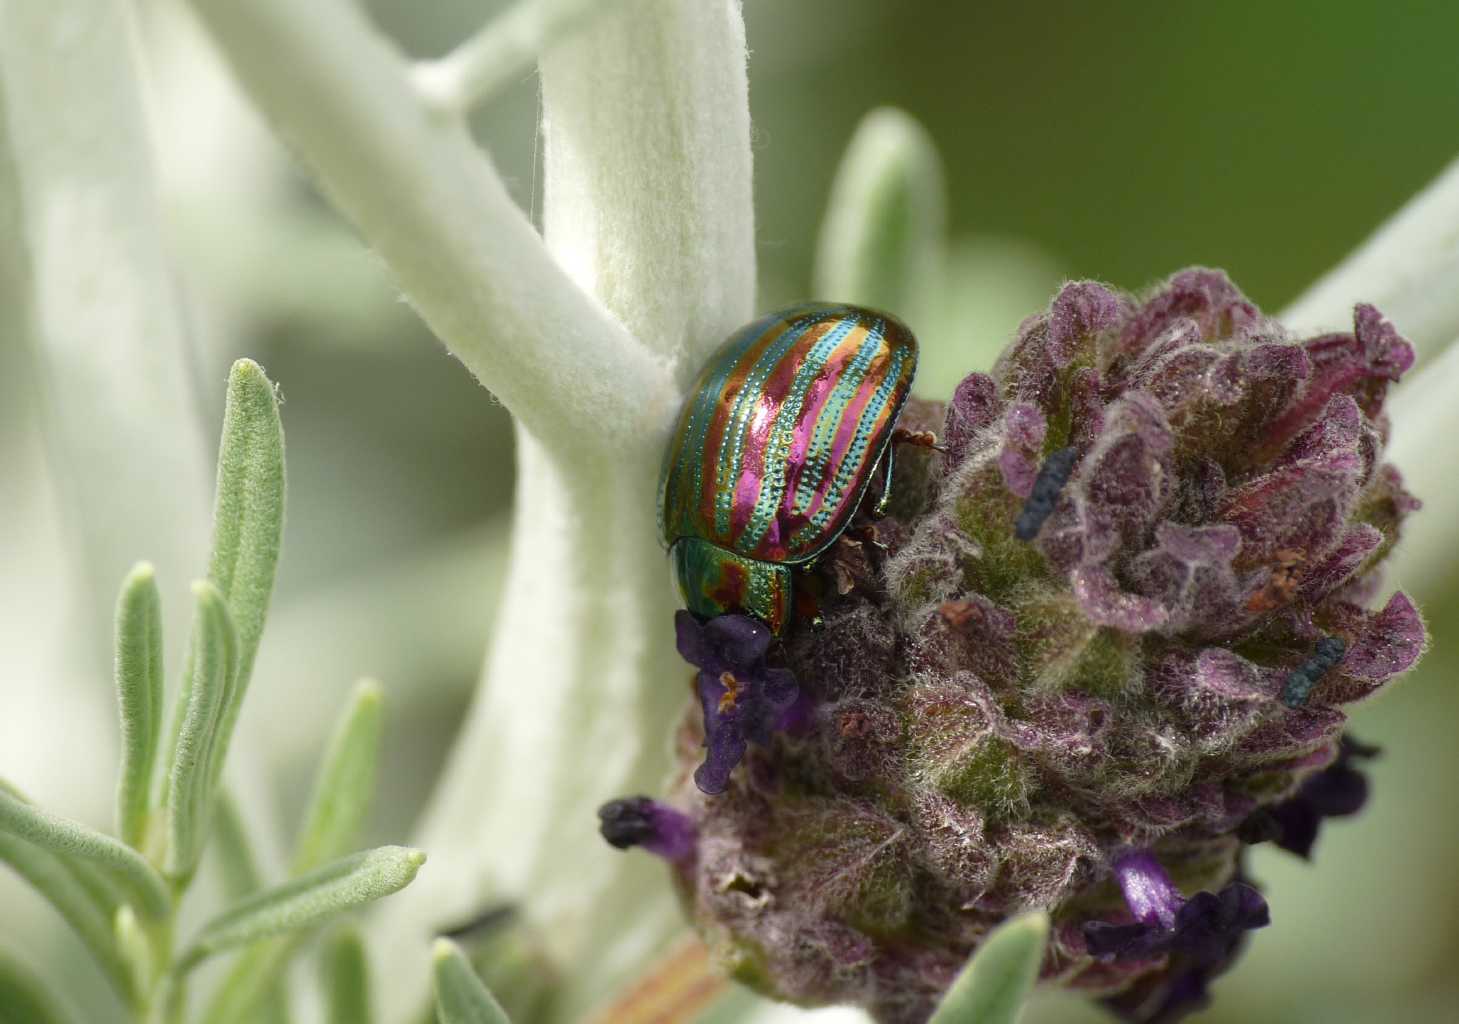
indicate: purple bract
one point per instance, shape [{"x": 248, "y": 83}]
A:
[{"x": 987, "y": 724}]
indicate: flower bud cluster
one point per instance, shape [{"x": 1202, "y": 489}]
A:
[{"x": 1106, "y": 634}]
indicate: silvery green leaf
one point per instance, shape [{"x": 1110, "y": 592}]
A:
[
  {"x": 461, "y": 997},
  {"x": 70, "y": 839},
  {"x": 49, "y": 874},
  {"x": 345, "y": 782},
  {"x": 882, "y": 240},
  {"x": 255, "y": 984},
  {"x": 24, "y": 998},
  {"x": 134, "y": 948},
  {"x": 252, "y": 991},
  {"x": 346, "y": 978},
  {"x": 343, "y": 885},
  {"x": 342, "y": 790},
  {"x": 139, "y": 697},
  {"x": 996, "y": 983},
  {"x": 211, "y": 678},
  {"x": 237, "y": 863},
  {"x": 248, "y": 522}
]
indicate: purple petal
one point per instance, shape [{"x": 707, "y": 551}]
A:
[
  {"x": 1023, "y": 438},
  {"x": 973, "y": 408},
  {"x": 694, "y": 646},
  {"x": 1189, "y": 573},
  {"x": 1337, "y": 429},
  {"x": 1126, "y": 941},
  {"x": 1104, "y": 603},
  {"x": 1352, "y": 550},
  {"x": 1205, "y": 296},
  {"x": 657, "y": 827},
  {"x": 740, "y": 641},
  {"x": 1081, "y": 310},
  {"x": 1390, "y": 642},
  {"x": 1209, "y": 925},
  {"x": 1387, "y": 354},
  {"x": 1152, "y": 897},
  {"x": 726, "y": 746}
]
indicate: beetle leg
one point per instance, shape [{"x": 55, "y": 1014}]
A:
[
  {"x": 884, "y": 502},
  {"x": 919, "y": 438}
]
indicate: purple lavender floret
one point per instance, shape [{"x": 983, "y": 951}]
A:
[
  {"x": 1337, "y": 791},
  {"x": 741, "y": 698},
  {"x": 987, "y": 724},
  {"x": 642, "y": 821},
  {"x": 1203, "y": 928}
]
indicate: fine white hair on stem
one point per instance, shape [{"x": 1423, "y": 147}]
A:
[
  {"x": 647, "y": 199},
  {"x": 1408, "y": 268},
  {"x": 500, "y": 52},
  {"x": 430, "y": 202},
  {"x": 1425, "y": 423}
]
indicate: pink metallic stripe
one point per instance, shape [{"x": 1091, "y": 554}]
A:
[
  {"x": 847, "y": 430},
  {"x": 792, "y": 518}
]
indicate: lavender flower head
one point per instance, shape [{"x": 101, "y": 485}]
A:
[{"x": 1087, "y": 720}]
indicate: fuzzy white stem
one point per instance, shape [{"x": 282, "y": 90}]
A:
[
  {"x": 503, "y": 50},
  {"x": 432, "y": 205},
  {"x": 1425, "y": 423},
  {"x": 647, "y": 199},
  {"x": 576, "y": 708},
  {"x": 1406, "y": 268},
  {"x": 647, "y": 205}
]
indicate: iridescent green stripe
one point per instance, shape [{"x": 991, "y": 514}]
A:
[
  {"x": 823, "y": 441},
  {"x": 854, "y": 460},
  {"x": 730, "y": 457},
  {"x": 690, "y": 440},
  {"x": 774, "y": 471},
  {"x": 714, "y": 581}
]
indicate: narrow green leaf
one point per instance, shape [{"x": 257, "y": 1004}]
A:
[
  {"x": 237, "y": 864},
  {"x": 462, "y": 997},
  {"x": 212, "y": 674},
  {"x": 994, "y": 985},
  {"x": 67, "y": 838},
  {"x": 255, "y": 989},
  {"x": 347, "y": 883},
  {"x": 49, "y": 875},
  {"x": 248, "y": 521},
  {"x": 341, "y": 798},
  {"x": 139, "y": 697},
  {"x": 251, "y": 992},
  {"x": 24, "y": 998},
  {"x": 345, "y": 782},
  {"x": 881, "y": 242},
  {"x": 346, "y": 977},
  {"x": 135, "y": 948}
]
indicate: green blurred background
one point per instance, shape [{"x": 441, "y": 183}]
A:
[{"x": 1119, "y": 141}]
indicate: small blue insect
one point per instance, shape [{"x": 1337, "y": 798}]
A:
[
  {"x": 1047, "y": 486},
  {"x": 1330, "y": 651}
]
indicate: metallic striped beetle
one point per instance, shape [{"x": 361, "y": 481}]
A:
[{"x": 774, "y": 449}]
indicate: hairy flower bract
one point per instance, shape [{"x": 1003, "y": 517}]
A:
[{"x": 998, "y": 723}]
